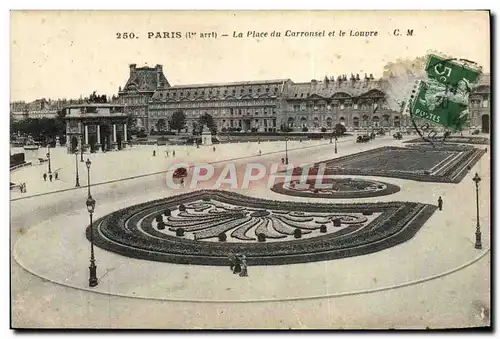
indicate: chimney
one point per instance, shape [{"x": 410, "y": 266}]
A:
[
  {"x": 132, "y": 68},
  {"x": 159, "y": 72}
]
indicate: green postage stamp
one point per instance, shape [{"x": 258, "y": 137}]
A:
[{"x": 443, "y": 98}]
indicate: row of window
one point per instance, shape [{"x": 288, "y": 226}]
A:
[
  {"x": 385, "y": 117},
  {"x": 246, "y": 103},
  {"x": 304, "y": 106},
  {"x": 480, "y": 104},
  {"x": 187, "y": 94}
]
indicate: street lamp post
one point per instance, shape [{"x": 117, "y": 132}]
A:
[
  {"x": 92, "y": 268},
  {"x": 478, "y": 244},
  {"x": 88, "y": 163},
  {"x": 48, "y": 157},
  {"x": 77, "y": 184},
  {"x": 81, "y": 149},
  {"x": 90, "y": 207}
]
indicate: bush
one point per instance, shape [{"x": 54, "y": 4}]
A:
[
  {"x": 322, "y": 229},
  {"x": 224, "y": 129},
  {"x": 305, "y": 129},
  {"x": 323, "y": 129},
  {"x": 254, "y": 130},
  {"x": 161, "y": 225},
  {"x": 367, "y": 213},
  {"x": 336, "y": 222},
  {"x": 159, "y": 218},
  {"x": 261, "y": 237},
  {"x": 222, "y": 237},
  {"x": 182, "y": 208},
  {"x": 167, "y": 212},
  {"x": 179, "y": 232},
  {"x": 297, "y": 233},
  {"x": 475, "y": 131}
]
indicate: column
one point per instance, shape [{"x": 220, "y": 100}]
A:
[
  {"x": 124, "y": 142},
  {"x": 115, "y": 145},
  {"x": 86, "y": 134},
  {"x": 86, "y": 146},
  {"x": 98, "y": 145}
]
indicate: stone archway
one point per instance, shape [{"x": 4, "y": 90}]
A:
[
  {"x": 105, "y": 137},
  {"x": 74, "y": 144},
  {"x": 92, "y": 142},
  {"x": 485, "y": 123}
]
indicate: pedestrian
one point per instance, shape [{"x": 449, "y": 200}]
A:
[
  {"x": 282, "y": 161},
  {"x": 440, "y": 204},
  {"x": 56, "y": 175},
  {"x": 244, "y": 271},
  {"x": 260, "y": 152},
  {"x": 21, "y": 188},
  {"x": 45, "y": 177},
  {"x": 50, "y": 177},
  {"x": 154, "y": 153},
  {"x": 173, "y": 154},
  {"x": 214, "y": 148},
  {"x": 24, "y": 187},
  {"x": 167, "y": 153}
]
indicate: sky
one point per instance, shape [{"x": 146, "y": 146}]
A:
[{"x": 68, "y": 54}]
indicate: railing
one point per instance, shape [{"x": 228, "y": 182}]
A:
[{"x": 26, "y": 164}]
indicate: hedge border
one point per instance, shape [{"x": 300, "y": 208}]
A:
[
  {"x": 398, "y": 222},
  {"x": 390, "y": 189}
]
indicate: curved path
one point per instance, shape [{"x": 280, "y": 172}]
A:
[{"x": 442, "y": 248}]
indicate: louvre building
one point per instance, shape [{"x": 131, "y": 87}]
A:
[{"x": 355, "y": 101}]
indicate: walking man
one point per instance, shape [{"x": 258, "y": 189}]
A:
[
  {"x": 173, "y": 154},
  {"x": 45, "y": 177},
  {"x": 154, "y": 153},
  {"x": 50, "y": 177},
  {"x": 214, "y": 148},
  {"x": 440, "y": 204},
  {"x": 56, "y": 175},
  {"x": 244, "y": 272}
]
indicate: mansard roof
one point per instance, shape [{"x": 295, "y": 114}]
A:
[
  {"x": 335, "y": 89},
  {"x": 230, "y": 84},
  {"x": 221, "y": 91},
  {"x": 145, "y": 79}
]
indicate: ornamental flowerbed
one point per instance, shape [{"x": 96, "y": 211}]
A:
[
  {"x": 358, "y": 188},
  {"x": 413, "y": 163},
  {"x": 124, "y": 233}
]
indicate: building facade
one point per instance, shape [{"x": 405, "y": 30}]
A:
[
  {"x": 142, "y": 84},
  {"x": 480, "y": 104},
  {"x": 237, "y": 105}
]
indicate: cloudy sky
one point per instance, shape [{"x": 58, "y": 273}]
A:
[{"x": 68, "y": 54}]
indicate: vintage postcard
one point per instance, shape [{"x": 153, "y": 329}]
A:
[{"x": 250, "y": 169}]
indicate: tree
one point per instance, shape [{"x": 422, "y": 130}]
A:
[
  {"x": 177, "y": 121},
  {"x": 160, "y": 125},
  {"x": 206, "y": 120},
  {"x": 340, "y": 129}
]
